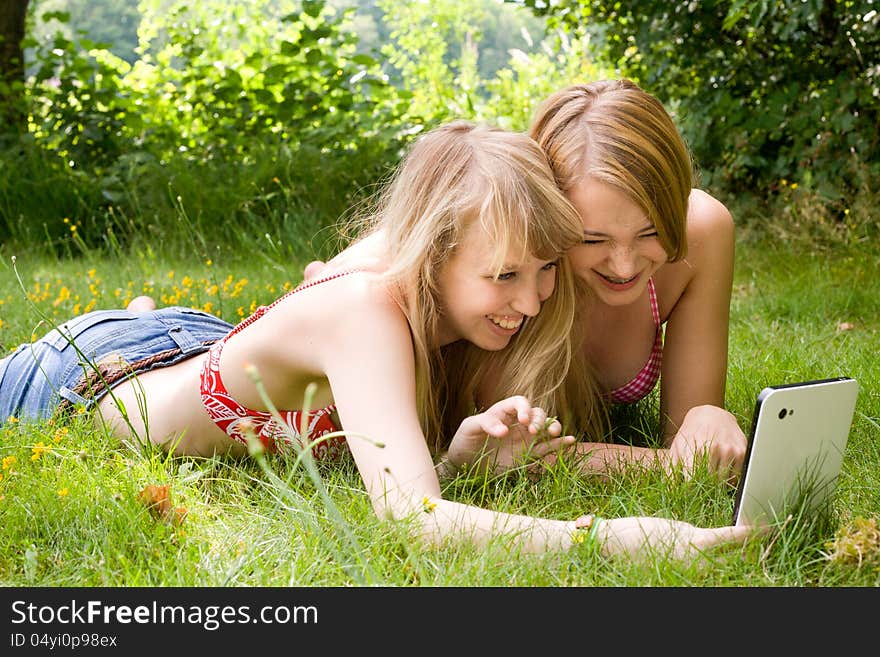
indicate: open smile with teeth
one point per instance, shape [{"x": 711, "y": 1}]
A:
[
  {"x": 618, "y": 281},
  {"x": 506, "y": 322}
]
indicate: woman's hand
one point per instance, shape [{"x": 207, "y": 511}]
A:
[
  {"x": 509, "y": 433},
  {"x": 644, "y": 536},
  {"x": 713, "y": 432}
]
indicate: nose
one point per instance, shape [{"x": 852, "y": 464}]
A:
[
  {"x": 529, "y": 297},
  {"x": 622, "y": 261}
]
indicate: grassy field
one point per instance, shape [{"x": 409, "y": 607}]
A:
[{"x": 69, "y": 497}]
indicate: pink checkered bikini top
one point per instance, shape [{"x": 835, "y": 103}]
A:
[
  {"x": 238, "y": 421},
  {"x": 646, "y": 379}
]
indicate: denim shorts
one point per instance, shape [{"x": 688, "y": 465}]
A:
[{"x": 38, "y": 377}]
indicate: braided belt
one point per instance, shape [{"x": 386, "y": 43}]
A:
[{"x": 107, "y": 373}]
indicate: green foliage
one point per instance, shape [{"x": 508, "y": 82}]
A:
[
  {"x": 82, "y": 111},
  {"x": 218, "y": 87},
  {"x": 38, "y": 190},
  {"x": 435, "y": 53},
  {"x": 764, "y": 90},
  {"x": 516, "y": 90},
  {"x": 434, "y": 50},
  {"x": 269, "y": 115},
  {"x": 241, "y": 70}
]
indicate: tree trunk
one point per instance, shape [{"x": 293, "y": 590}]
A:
[{"x": 12, "y": 23}]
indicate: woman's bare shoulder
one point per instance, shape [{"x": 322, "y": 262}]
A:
[
  {"x": 706, "y": 214},
  {"x": 345, "y": 295},
  {"x": 710, "y": 230},
  {"x": 364, "y": 254},
  {"x": 347, "y": 314}
]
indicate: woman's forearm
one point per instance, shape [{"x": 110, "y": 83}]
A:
[
  {"x": 441, "y": 519},
  {"x": 599, "y": 458}
]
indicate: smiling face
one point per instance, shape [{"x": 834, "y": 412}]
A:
[
  {"x": 621, "y": 250},
  {"x": 482, "y": 304}
]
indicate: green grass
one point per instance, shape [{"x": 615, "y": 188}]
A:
[{"x": 71, "y": 517}]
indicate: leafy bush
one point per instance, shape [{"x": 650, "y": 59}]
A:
[
  {"x": 218, "y": 86},
  {"x": 764, "y": 90},
  {"x": 434, "y": 55}
]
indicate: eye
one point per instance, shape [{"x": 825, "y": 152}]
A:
[
  {"x": 506, "y": 276},
  {"x": 550, "y": 265},
  {"x": 653, "y": 233},
  {"x": 592, "y": 242}
]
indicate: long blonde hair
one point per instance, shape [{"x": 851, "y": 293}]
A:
[{"x": 455, "y": 174}]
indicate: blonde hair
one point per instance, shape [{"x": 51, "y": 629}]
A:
[
  {"x": 455, "y": 174},
  {"x": 615, "y": 132}
]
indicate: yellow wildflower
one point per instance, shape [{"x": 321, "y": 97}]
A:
[
  {"x": 12, "y": 419},
  {"x": 63, "y": 295},
  {"x": 38, "y": 450},
  {"x": 62, "y": 492},
  {"x": 8, "y": 462},
  {"x": 239, "y": 286},
  {"x": 427, "y": 505}
]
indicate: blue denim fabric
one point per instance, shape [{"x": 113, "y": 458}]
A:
[{"x": 37, "y": 376}]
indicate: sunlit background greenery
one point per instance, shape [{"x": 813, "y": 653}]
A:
[{"x": 274, "y": 116}]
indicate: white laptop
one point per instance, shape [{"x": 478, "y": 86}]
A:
[{"x": 795, "y": 451}]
